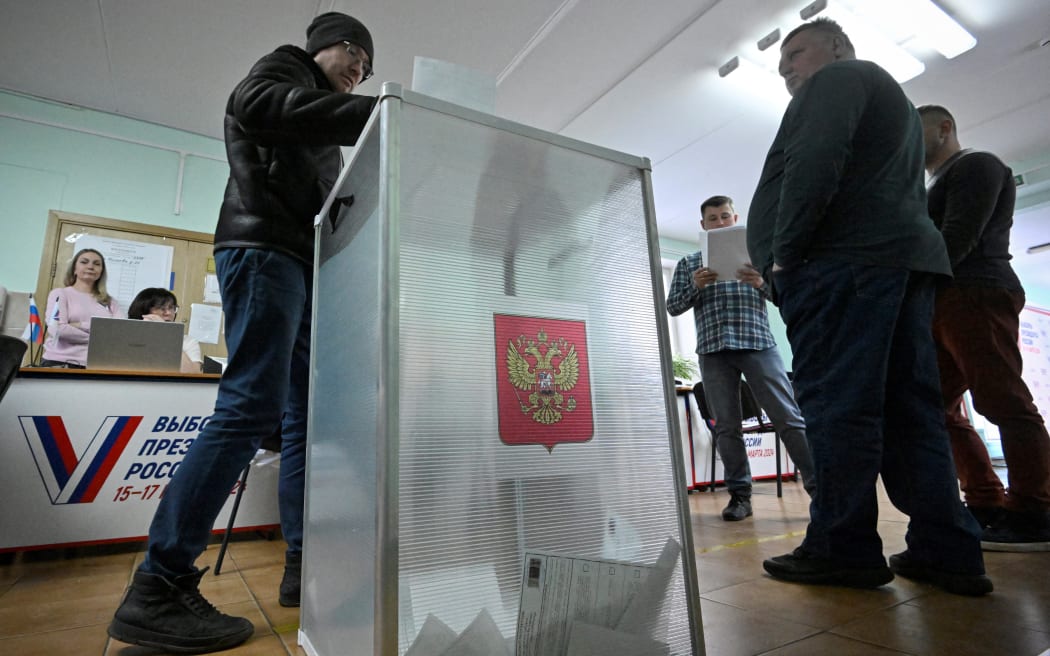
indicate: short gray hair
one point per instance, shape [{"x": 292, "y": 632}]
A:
[{"x": 825, "y": 26}]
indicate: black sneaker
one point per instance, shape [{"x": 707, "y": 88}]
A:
[
  {"x": 986, "y": 515},
  {"x": 173, "y": 616},
  {"x": 1018, "y": 531},
  {"x": 800, "y": 566},
  {"x": 291, "y": 582},
  {"x": 739, "y": 507},
  {"x": 971, "y": 585}
]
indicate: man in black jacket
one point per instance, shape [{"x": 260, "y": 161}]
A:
[{"x": 284, "y": 124}]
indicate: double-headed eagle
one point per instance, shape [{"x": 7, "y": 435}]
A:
[{"x": 545, "y": 370}]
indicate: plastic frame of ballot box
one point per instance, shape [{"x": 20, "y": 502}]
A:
[
  {"x": 493, "y": 464},
  {"x": 86, "y": 456}
]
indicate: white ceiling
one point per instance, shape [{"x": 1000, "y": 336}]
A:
[{"x": 633, "y": 75}]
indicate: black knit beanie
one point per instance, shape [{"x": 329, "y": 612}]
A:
[{"x": 334, "y": 27}]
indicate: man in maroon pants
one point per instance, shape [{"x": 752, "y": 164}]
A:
[{"x": 971, "y": 199}]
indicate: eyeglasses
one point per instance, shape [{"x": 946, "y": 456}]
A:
[
  {"x": 174, "y": 309},
  {"x": 360, "y": 55}
]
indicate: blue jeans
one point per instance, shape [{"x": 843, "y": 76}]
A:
[
  {"x": 266, "y": 297},
  {"x": 764, "y": 371},
  {"x": 867, "y": 382}
]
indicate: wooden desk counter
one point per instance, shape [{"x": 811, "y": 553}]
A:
[{"x": 55, "y": 373}]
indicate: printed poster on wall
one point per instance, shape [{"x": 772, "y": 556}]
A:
[{"x": 1034, "y": 341}]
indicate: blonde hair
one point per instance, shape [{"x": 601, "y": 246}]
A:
[{"x": 99, "y": 292}]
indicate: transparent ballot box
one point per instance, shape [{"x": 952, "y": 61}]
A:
[{"x": 492, "y": 464}]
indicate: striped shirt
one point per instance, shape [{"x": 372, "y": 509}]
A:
[{"x": 730, "y": 315}]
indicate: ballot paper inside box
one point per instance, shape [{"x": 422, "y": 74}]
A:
[
  {"x": 420, "y": 507},
  {"x": 571, "y": 607}
]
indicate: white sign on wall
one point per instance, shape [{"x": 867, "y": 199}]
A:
[{"x": 1034, "y": 341}]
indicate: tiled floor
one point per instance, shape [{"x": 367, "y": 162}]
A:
[{"x": 58, "y": 603}]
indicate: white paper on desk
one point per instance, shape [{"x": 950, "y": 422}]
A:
[
  {"x": 454, "y": 83},
  {"x": 204, "y": 323},
  {"x": 727, "y": 251},
  {"x": 590, "y": 640}
]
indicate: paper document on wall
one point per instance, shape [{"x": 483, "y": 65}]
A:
[
  {"x": 727, "y": 251},
  {"x": 204, "y": 323},
  {"x": 211, "y": 289}
]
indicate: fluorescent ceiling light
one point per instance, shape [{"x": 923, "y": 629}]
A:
[
  {"x": 768, "y": 40},
  {"x": 728, "y": 67},
  {"x": 931, "y": 25},
  {"x": 750, "y": 79},
  {"x": 877, "y": 30}
]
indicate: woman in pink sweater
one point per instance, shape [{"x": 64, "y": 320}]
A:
[{"x": 71, "y": 308}]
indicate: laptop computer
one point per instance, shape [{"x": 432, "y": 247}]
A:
[{"x": 133, "y": 345}]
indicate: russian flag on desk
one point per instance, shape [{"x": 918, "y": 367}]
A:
[{"x": 34, "y": 331}]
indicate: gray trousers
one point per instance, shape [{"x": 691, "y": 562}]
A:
[{"x": 765, "y": 373}]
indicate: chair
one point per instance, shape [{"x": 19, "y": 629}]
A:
[
  {"x": 271, "y": 444},
  {"x": 709, "y": 419},
  {"x": 749, "y": 409},
  {"x": 12, "y": 350}
]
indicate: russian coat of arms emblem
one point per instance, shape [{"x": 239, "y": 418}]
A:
[{"x": 542, "y": 380}]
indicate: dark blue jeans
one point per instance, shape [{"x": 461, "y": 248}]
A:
[
  {"x": 266, "y": 296},
  {"x": 867, "y": 383}
]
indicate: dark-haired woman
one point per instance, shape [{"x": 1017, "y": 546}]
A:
[{"x": 158, "y": 304}]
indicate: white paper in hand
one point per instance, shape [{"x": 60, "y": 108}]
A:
[{"x": 727, "y": 251}]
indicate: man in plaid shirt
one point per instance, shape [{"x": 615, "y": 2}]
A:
[{"x": 733, "y": 339}]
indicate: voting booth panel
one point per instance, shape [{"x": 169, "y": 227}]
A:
[{"x": 491, "y": 457}]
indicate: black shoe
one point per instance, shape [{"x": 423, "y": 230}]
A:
[
  {"x": 986, "y": 515},
  {"x": 174, "y": 617},
  {"x": 971, "y": 585},
  {"x": 800, "y": 566},
  {"x": 739, "y": 507},
  {"x": 291, "y": 582},
  {"x": 1018, "y": 531}
]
